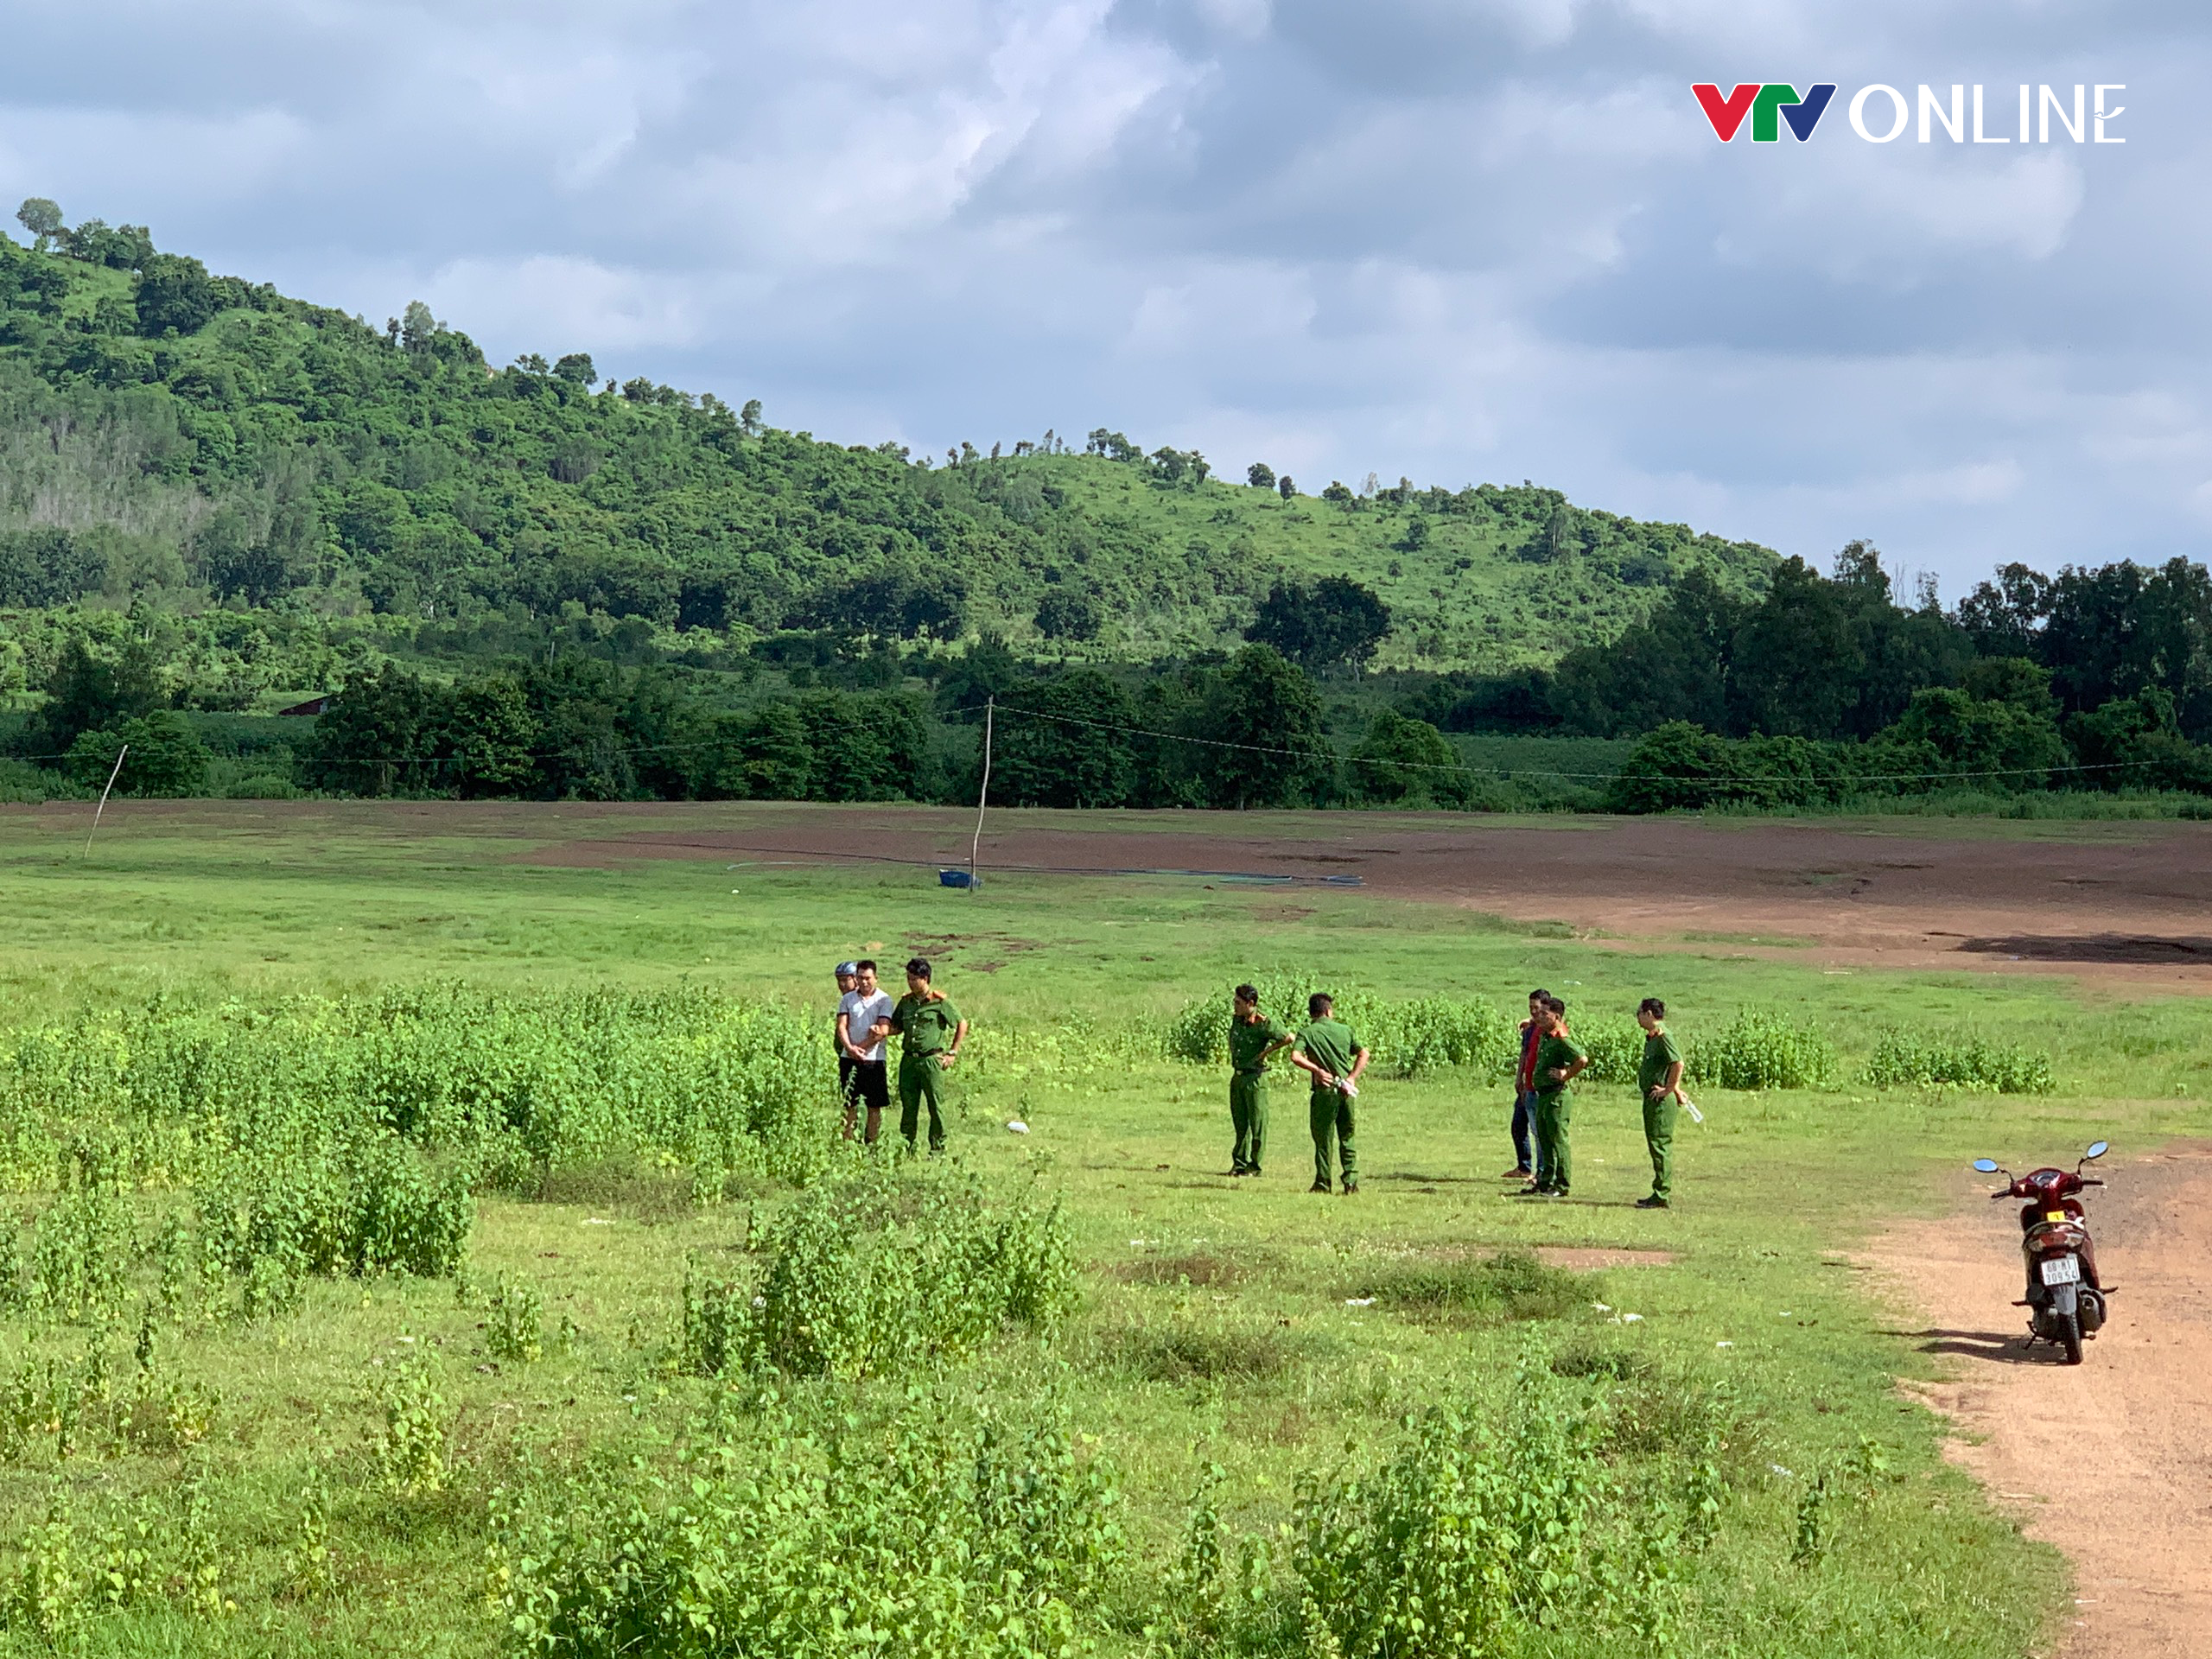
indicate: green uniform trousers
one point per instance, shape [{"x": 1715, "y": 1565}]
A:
[
  {"x": 1554, "y": 1155},
  {"x": 1330, "y": 1113},
  {"x": 921, "y": 1078},
  {"x": 1248, "y": 1115},
  {"x": 1659, "y": 1135}
]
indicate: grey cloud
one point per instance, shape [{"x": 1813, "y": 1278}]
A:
[{"x": 1454, "y": 240}]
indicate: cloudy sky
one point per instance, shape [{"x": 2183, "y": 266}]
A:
[{"x": 1457, "y": 239}]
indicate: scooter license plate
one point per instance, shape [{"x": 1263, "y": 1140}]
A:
[{"x": 2062, "y": 1270}]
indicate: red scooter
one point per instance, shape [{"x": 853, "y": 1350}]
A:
[{"x": 2066, "y": 1300}]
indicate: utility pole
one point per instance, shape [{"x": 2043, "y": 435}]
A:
[
  {"x": 102, "y": 807},
  {"x": 984, "y": 795}
]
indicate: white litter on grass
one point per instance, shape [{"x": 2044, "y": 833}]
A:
[
  {"x": 1783, "y": 1472},
  {"x": 1603, "y": 1307},
  {"x": 1786, "y": 1314},
  {"x": 1724, "y": 1343},
  {"x": 1359, "y": 1301},
  {"x": 594, "y": 1221},
  {"x": 1631, "y": 1318},
  {"x": 1015, "y": 1126}
]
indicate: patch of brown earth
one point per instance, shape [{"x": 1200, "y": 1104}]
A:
[
  {"x": 1589, "y": 1259},
  {"x": 2108, "y": 1460}
]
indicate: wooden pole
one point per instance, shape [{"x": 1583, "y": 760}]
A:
[
  {"x": 102, "y": 807},
  {"x": 984, "y": 795}
]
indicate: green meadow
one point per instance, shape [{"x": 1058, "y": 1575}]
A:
[{"x": 694, "y": 1379}]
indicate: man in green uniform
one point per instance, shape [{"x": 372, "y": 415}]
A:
[
  {"x": 1659, "y": 1083},
  {"x": 1332, "y": 1057},
  {"x": 1253, "y": 1039},
  {"x": 1559, "y": 1062},
  {"x": 931, "y": 1031}
]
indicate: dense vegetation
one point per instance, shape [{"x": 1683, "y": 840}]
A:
[{"x": 529, "y": 581}]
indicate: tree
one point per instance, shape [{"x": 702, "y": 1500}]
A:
[
  {"x": 1333, "y": 623},
  {"x": 576, "y": 369},
  {"x": 748, "y": 418},
  {"x": 1678, "y": 765},
  {"x": 1285, "y": 488},
  {"x": 417, "y": 328},
  {"x": 161, "y": 755},
  {"x": 2136, "y": 743},
  {"x": 1408, "y": 763},
  {"x": 1067, "y": 614},
  {"x": 1265, "y": 714},
  {"x": 1795, "y": 665},
  {"x": 369, "y": 739},
  {"x": 483, "y": 739},
  {"x": 174, "y": 293},
  {"x": 1260, "y": 475},
  {"x": 1337, "y": 495},
  {"x": 42, "y": 217},
  {"x": 89, "y": 692},
  {"x": 1056, "y": 745}
]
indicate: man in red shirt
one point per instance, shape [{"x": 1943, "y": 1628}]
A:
[{"x": 1524, "y": 1094}]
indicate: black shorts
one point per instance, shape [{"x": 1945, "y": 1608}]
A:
[{"x": 865, "y": 1082}]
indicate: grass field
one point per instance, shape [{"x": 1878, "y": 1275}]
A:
[{"x": 1733, "y": 1466}]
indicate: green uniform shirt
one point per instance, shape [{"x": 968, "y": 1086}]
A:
[
  {"x": 1552, "y": 1051},
  {"x": 1330, "y": 1045},
  {"x": 1659, "y": 1053},
  {"x": 924, "y": 1027},
  {"x": 1248, "y": 1042}
]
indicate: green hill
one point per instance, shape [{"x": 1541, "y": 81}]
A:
[{"x": 280, "y": 488}]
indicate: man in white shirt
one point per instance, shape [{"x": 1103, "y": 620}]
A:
[{"x": 864, "y": 1021}]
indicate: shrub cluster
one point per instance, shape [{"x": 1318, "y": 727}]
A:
[
  {"x": 1935, "y": 1058},
  {"x": 1762, "y": 1049},
  {"x": 984, "y": 1540},
  {"x": 511, "y": 1083},
  {"x": 1409, "y": 1039},
  {"x": 872, "y": 1272}
]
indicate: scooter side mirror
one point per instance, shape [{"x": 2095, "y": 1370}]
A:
[
  {"x": 2097, "y": 1149},
  {"x": 1987, "y": 1166}
]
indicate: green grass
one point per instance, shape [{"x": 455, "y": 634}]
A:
[{"x": 1244, "y": 1326}]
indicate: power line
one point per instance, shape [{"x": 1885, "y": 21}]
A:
[{"x": 1547, "y": 772}]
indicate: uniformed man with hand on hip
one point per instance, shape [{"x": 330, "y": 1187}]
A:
[{"x": 931, "y": 1031}]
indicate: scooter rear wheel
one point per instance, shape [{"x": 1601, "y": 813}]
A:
[{"x": 2069, "y": 1337}]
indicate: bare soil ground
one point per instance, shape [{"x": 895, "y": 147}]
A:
[{"x": 2108, "y": 1460}]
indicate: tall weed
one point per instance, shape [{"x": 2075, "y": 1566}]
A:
[{"x": 1927, "y": 1059}]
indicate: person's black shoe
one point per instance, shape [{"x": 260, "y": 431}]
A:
[
  {"x": 1532, "y": 1190},
  {"x": 1349, "y": 1187},
  {"x": 1318, "y": 1186},
  {"x": 1654, "y": 1201}
]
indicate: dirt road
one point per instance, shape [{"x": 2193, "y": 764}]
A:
[{"x": 2112, "y": 1461}]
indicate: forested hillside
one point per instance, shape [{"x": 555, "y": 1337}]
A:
[
  {"x": 198, "y": 441},
  {"x": 216, "y": 501}
]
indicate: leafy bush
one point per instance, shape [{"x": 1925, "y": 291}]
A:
[
  {"x": 363, "y": 1207},
  {"x": 516, "y": 1327},
  {"x": 807, "y": 1540},
  {"x": 1931, "y": 1058},
  {"x": 1461, "y": 1540},
  {"x": 1762, "y": 1048},
  {"x": 1408, "y": 1039},
  {"x": 869, "y": 1273},
  {"x": 515, "y": 1083},
  {"x": 1615, "y": 1053}
]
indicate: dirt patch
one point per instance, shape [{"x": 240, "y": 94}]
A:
[
  {"x": 2099, "y": 899},
  {"x": 1590, "y": 1259},
  {"x": 2108, "y": 1460}
]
